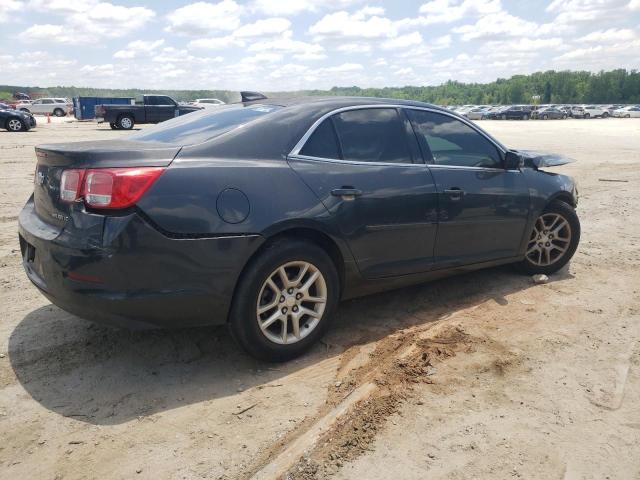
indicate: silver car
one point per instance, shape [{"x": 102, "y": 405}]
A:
[{"x": 52, "y": 106}]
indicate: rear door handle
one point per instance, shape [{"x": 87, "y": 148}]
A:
[
  {"x": 455, "y": 193},
  {"x": 346, "y": 193}
]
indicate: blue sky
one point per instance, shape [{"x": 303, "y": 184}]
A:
[{"x": 298, "y": 44}]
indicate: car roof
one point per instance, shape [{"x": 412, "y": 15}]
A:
[{"x": 331, "y": 102}]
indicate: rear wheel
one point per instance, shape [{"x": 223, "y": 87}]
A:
[
  {"x": 58, "y": 112},
  {"x": 526, "y": 117},
  {"x": 504, "y": 117},
  {"x": 553, "y": 240},
  {"x": 545, "y": 117},
  {"x": 15, "y": 125},
  {"x": 125, "y": 122},
  {"x": 605, "y": 114},
  {"x": 284, "y": 301},
  {"x": 587, "y": 115},
  {"x": 114, "y": 126}
]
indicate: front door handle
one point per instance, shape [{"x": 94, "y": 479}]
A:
[
  {"x": 454, "y": 193},
  {"x": 346, "y": 193}
]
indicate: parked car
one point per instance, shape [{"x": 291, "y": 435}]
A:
[
  {"x": 150, "y": 109},
  {"x": 476, "y": 113},
  {"x": 595, "y": 111},
  {"x": 515, "y": 112},
  {"x": 207, "y": 102},
  {"x": 16, "y": 121},
  {"x": 578, "y": 111},
  {"x": 263, "y": 215},
  {"x": 627, "y": 112},
  {"x": 494, "y": 113},
  {"x": 52, "y": 106},
  {"x": 549, "y": 113}
]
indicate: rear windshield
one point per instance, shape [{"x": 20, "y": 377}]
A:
[{"x": 200, "y": 126}]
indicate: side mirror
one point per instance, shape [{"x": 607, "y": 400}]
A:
[{"x": 513, "y": 161}]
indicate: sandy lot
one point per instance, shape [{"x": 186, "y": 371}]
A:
[{"x": 483, "y": 376}]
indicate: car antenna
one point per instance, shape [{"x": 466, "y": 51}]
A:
[{"x": 251, "y": 96}]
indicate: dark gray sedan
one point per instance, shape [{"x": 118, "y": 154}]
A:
[{"x": 263, "y": 215}]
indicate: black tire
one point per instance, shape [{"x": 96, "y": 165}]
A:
[
  {"x": 114, "y": 126},
  {"x": 58, "y": 112},
  {"x": 125, "y": 122},
  {"x": 526, "y": 117},
  {"x": 504, "y": 117},
  {"x": 564, "y": 117},
  {"x": 15, "y": 125},
  {"x": 545, "y": 117},
  {"x": 587, "y": 115},
  {"x": 605, "y": 115},
  {"x": 243, "y": 322},
  {"x": 569, "y": 214}
]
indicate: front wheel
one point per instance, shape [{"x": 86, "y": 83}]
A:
[
  {"x": 284, "y": 301},
  {"x": 587, "y": 115},
  {"x": 15, "y": 125},
  {"x": 553, "y": 241}
]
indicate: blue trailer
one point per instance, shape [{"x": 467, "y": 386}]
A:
[{"x": 84, "y": 107}]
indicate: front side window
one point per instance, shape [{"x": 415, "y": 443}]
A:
[
  {"x": 372, "y": 135},
  {"x": 452, "y": 142}
]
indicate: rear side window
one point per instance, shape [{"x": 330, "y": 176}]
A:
[
  {"x": 323, "y": 143},
  {"x": 453, "y": 142},
  {"x": 203, "y": 125},
  {"x": 372, "y": 135}
]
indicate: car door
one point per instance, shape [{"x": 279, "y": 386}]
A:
[
  {"x": 37, "y": 107},
  {"x": 365, "y": 166},
  {"x": 160, "y": 108},
  {"x": 483, "y": 208}
]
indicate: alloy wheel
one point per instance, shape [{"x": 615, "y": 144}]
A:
[
  {"x": 291, "y": 302},
  {"x": 550, "y": 239},
  {"x": 15, "y": 125},
  {"x": 126, "y": 123}
]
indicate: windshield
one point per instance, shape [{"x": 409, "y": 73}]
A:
[{"x": 203, "y": 125}]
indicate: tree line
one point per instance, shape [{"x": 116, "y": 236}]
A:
[{"x": 615, "y": 86}]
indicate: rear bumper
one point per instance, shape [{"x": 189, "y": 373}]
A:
[{"x": 122, "y": 271}]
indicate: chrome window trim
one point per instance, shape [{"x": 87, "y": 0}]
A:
[
  {"x": 295, "y": 153},
  {"x": 353, "y": 162}
]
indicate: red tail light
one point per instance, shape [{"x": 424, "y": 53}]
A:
[{"x": 108, "y": 187}]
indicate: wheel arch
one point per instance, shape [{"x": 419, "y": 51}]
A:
[
  {"x": 562, "y": 196},
  {"x": 307, "y": 233}
]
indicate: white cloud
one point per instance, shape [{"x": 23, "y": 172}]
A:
[
  {"x": 203, "y": 17},
  {"x": 610, "y": 35},
  {"x": 634, "y": 5},
  {"x": 357, "y": 25},
  {"x": 6, "y": 9},
  {"x": 50, "y": 33},
  {"x": 403, "y": 41},
  {"x": 138, "y": 48},
  {"x": 497, "y": 25},
  {"x": 286, "y": 45},
  {"x": 449, "y": 11},
  {"x": 354, "y": 48},
  {"x": 294, "y": 7},
  {"x": 84, "y": 21},
  {"x": 263, "y": 27},
  {"x": 217, "y": 43}
]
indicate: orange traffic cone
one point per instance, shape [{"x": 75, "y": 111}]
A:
[{"x": 48, "y": 118}]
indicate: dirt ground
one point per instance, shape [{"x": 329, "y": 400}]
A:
[{"x": 483, "y": 376}]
